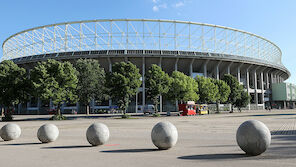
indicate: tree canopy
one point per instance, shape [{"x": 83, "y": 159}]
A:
[
  {"x": 14, "y": 84},
  {"x": 223, "y": 90},
  {"x": 123, "y": 83},
  {"x": 55, "y": 80},
  {"x": 157, "y": 83},
  {"x": 91, "y": 81},
  {"x": 243, "y": 101},
  {"x": 183, "y": 88},
  {"x": 208, "y": 91}
]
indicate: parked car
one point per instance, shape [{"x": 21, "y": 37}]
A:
[{"x": 149, "y": 109}]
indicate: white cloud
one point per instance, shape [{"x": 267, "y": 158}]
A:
[
  {"x": 154, "y": 1},
  {"x": 155, "y": 8},
  {"x": 179, "y": 4}
]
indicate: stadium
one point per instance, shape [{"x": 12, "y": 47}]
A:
[{"x": 190, "y": 47}]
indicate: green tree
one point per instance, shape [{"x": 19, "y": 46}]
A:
[
  {"x": 207, "y": 89},
  {"x": 14, "y": 85},
  {"x": 243, "y": 101},
  {"x": 123, "y": 83},
  {"x": 182, "y": 88},
  {"x": 91, "y": 82},
  {"x": 235, "y": 89},
  {"x": 223, "y": 92},
  {"x": 157, "y": 83},
  {"x": 55, "y": 80}
]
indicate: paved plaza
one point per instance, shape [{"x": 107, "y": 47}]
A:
[{"x": 207, "y": 140}]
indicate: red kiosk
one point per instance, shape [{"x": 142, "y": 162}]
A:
[{"x": 187, "y": 109}]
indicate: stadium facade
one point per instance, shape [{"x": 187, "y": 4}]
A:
[{"x": 189, "y": 47}]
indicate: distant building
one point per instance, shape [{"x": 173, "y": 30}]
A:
[{"x": 283, "y": 95}]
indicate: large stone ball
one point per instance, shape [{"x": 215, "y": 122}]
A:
[
  {"x": 97, "y": 134},
  {"x": 253, "y": 137},
  {"x": 164, "y": 135},
  {"x": 48, "y": 133},
  {"x": 10, "y": 131}
]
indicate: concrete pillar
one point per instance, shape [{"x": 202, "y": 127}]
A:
[
  {"x": 191, "y": 68},
  {"x": 143, "y": 82},
  {"x": 205, "y": 68},
  {"x": 255, "y": 87},
  {"x": 271, "y": 79},
  {"x": 239, "y": 72},
  {"x": 160, "y": 97},
  {"x": 176, "y": 69},
  {"x": 228, "y": 68},
  {"x": 267, "y": 80},
  {"x": 110, "y": 70},
  {"x": 136, "y": 110},
  {"x": 176, "y": 64},
  {"x": 262, "y": 89},
  {"x": 217, "y": 71},
  {"x": 248, "y": 84}
]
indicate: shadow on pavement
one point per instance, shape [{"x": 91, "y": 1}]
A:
[
  {"x": 21, "y": 144},
  {"x": 262, "y": 115},
  {"x": 130, "y": 150},
  {"x": 213, "y": 156},
  {"x": 67, "y": 147},
  {"x": 229, "y": 145},
  {"x": 285, "y": 132}
]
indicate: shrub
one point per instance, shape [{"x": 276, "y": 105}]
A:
[
  {"x": 156, "y": 115},
  {"x": 58, "y": 117}
]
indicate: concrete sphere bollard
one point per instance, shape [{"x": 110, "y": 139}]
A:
[
  {"x": 164, "y": 135},
  {"x": 10, "y": 131},
  {"x": 97, "y": 134},
  {"x": 253, "y": 137},
  {"x": 48, "y": 133}
]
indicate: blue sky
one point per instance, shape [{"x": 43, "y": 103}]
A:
[{"x": 272, "y": 19}]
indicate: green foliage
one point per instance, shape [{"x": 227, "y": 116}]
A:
[
  {"x": 183, "y": 87},
  {"x": 157, "y": 83},
  {"x": 207, "y": 89},
  {"x": 235, "y": 89},
  {"x": 55, "y": 80},
  {"x": 123, "y": 83},
  {"x": 238, "y": 96},
  {"x": 243, "y": 101},
  {"x": 91, "y": 81},
  {"x": 58, "y": 117},
  {"x": 14, "y": 84},
  {"x": 156, "y": 115},
  {"x": 223, "y": 90}
]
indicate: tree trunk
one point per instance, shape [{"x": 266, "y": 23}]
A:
[
  {"x": 59, "y": 109},
  {"x": 231, "y": 108},
  {"x": 2, "y": 112},
  {"x": 177, "y": 108},
  {"x": 218, "y": 106},
  {"x": 87, "y": 109},
  {"x": 155, "y": 101}
]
